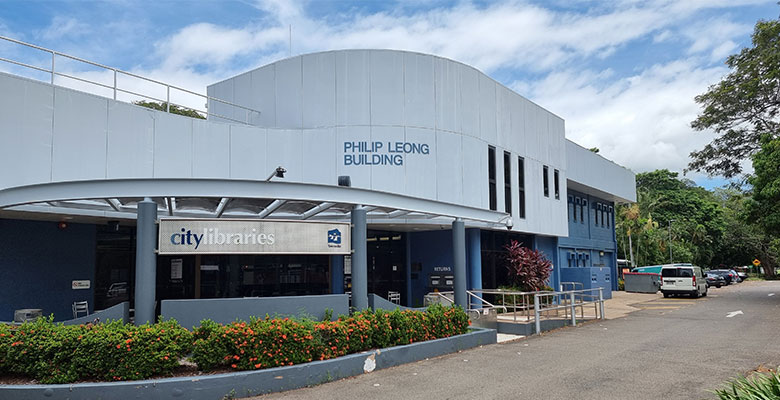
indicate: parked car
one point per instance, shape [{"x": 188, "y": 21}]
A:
[
  {"x": 715, "y": 280},
  {"x": 742, "y": 275},
  {"x": 725, "y": 274},
  {"x": 683, "y": 280},
  {"x": 736, "y": 275}
]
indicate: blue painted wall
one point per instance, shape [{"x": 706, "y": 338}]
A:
[
  {"x": 549, "y": 246},
  {"x": 38, "y": 261},
  {"x": 430, "y": 249},
  {"x": 590, "y": 245}
]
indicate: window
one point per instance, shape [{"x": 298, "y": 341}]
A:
[
  {"x": 546, "y": 179},
  {"x": 492, "y": 177},
  {"x": 609, "y": 217},
  {"x": 521, "y": 185},
  {"x": 577, "y": 204},
  {"x": 557, "y": 186},
  {"x": 583, "y": 208},
  {"x": 507, "y": 182},
  {"x": 571, "y": 208},
  {"x": 596, "y": 213}
]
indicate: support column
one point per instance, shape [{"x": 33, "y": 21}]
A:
[
  {"x": 474, "y": 262},
  {"x": 459, "y": 262},
  {"x": 337, "y": 274},
  {"x": 145, "y": 262},
  {"x": 359, "y": 259}
]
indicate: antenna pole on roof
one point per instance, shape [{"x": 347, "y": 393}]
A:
[{"x": 290, "y": 42}]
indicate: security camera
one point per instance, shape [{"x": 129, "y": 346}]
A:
[{"x": 509, "y": 224}]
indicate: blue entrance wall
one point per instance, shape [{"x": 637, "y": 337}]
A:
[
  {"x": 549, "y": 246},
  {"x": 38, "y": 261},
  {"x": 589, "y": 253},
  {"x": 428, "y": 249}
]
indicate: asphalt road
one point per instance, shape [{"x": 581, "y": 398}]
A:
[{"x": 677, "y": 348}]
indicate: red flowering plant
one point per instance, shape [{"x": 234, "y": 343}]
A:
[
  {"x": 527, "y": 269},
  {"x": 263, "y": 343}
]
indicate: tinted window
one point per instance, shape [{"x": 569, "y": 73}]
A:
[{"x": 677, "y": 272}]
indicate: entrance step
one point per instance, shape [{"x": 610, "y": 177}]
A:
[{"x": 505, "y": 337}]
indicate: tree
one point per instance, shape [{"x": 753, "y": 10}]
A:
[
  {"x": 527, "y": 269},
  {"x": 663, "y": 199},
  {"x": 763, "y": 208},
  {"x": 743, "y": 107},
  {"x": 174, "y": 109}
]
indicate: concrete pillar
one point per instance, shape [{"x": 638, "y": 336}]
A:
[
  {"x": 459, "y": 262},
  {"x": 359, "y": 259},
  {"x": 337, "y": 274},
  {"x": 474, "y": 262},
  {"x": 146, "y": 262}
]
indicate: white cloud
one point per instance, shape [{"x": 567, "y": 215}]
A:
[
  {"x": 61, "y": 27},
  {"x": 640, "y": 121}
]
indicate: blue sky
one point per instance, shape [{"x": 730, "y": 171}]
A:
[{"x": 622, "y": 73}]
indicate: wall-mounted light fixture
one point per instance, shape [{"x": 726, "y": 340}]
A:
[{"x": 278, "y": 173}]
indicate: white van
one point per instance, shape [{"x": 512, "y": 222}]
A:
[{"x": 683, "y": 279}]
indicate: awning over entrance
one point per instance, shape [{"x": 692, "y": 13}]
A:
[
  {"x": 228, "y": 198},
  {"x": 222, "y": 198}
]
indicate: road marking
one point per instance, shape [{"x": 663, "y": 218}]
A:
[
  {"x": 771, "y": 294},
  {"x": 733, "y": 313}
]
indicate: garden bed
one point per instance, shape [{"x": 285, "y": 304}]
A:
[
  {"x": 215, "y": 384},
  {"x": 48, "y": 353}
]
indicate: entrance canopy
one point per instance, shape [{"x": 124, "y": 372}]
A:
[{"x": 229, "y": 198}]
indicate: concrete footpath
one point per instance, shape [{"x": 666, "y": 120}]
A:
[{"x": 676, "y": 348}]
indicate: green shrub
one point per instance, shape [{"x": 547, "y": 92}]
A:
[
  {"x": 55, "y": 353},
  {"x": 263, "y": 343},
  {"x": 759, "y": 386}
]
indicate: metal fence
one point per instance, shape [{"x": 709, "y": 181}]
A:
[
  {"x": 249, "y": 114},
  {"x": 525, "y": 307}
]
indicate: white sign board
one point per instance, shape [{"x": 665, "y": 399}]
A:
[
  {"x": 176, "y": 268},
  {"x": 80, "y": 284},
  {"x": 238, "y": 236}
]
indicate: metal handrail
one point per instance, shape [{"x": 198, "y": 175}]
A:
[
  {"x": 117, "y": 89},
  {"x": 524, "y": 305},
  {"x": 567, "y": 301}
]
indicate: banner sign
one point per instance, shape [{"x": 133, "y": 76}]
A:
[{"x": 241, "y": 236}]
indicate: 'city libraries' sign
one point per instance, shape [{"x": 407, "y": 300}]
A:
[{"x": 234, "y": 236}]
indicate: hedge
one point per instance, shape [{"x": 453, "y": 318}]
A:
[
  {"x": 263, "y": 343},
  {"x": 55, "y": 353}
]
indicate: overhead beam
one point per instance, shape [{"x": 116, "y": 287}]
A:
[
  {"x": 171, "y": 205},
  {"x": 271, "y": 208},
  {"x": 317, "y": 209},
  {"x": 397, "y": 213},
  {"x": 221, "y": 207},
  {"x": 114, "y": 203}
]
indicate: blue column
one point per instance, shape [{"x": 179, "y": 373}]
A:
[
  {"x": 337, "y": 274},
  {"x": 359, "y": 259},
  {"x": 145, "y": 262},
  {"x": 459, "y": 262},
  {"x": 474, "y": 261}
]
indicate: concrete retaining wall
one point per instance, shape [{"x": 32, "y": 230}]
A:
[
  {"x": 250, "y": 383},
  {"x": 380, "y": 303},
  {"x": 189, "y": 313},
  {"x": 119, "y": 312}
]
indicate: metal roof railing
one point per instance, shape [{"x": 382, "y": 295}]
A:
[{"x": 249, "y": 114}]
